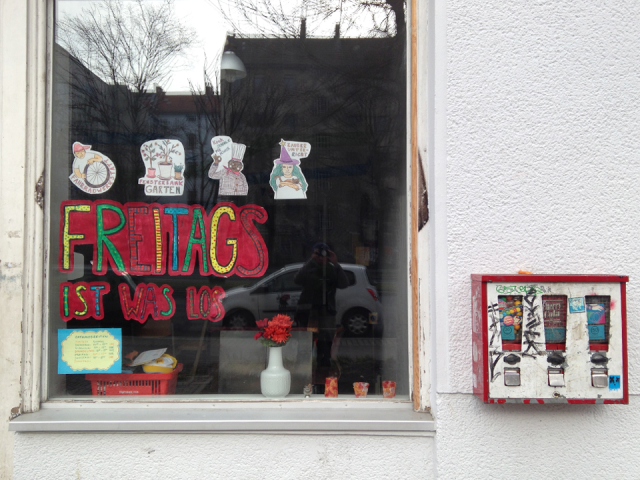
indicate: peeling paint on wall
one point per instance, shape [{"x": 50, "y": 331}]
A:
[
  {"x": 40, "y": 191},
  {"x": 423, "y": 198}
]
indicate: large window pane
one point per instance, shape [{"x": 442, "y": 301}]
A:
[{"x": 279, "y": 185}]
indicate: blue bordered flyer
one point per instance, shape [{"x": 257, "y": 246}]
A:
[{"x": 95, "y": 350}]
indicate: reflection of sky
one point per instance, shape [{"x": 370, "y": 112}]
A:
[
  {"x": 203, "y": 17},
  {"x": 199, "y": 15}
]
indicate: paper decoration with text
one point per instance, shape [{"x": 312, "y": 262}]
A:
[
  {"x": 92, "y": 172},
  {"x": 287, "y": 179},
  {"x": 228, "y": 168},
  {"x": 165, "y": 168},
  {"x": 82, "y": 300},
  {"x": 90, "y": 350},
  {"x": 139, "y": 238}
]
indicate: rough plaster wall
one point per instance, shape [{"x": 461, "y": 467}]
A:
[
  {"x": 536, "y": 441},
  {"x": 542, "y": 174},
  {"x": 189, "y": 456},
  {"x": 542, "y": 151},
  {"x": 12, "y": 119}
]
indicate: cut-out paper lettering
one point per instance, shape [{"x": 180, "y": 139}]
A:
[
  {"x": 205, "y": 303},
  {"x": 147, "y": 300},
  {"x": 82, "y": 300},
  {"x": 152, "y": 239}
]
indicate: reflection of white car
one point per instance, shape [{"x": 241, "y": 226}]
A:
[{"x": 357, "y": 305}]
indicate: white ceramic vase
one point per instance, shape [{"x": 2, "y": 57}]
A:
[{"x": 275, "y": 380}]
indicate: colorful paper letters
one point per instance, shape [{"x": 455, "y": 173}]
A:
[{"x": 153, "y": 239}]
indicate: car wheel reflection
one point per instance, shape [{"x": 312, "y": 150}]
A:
[
  {"x": 356, "y": 322},
  {"x": 239, "y": 319}
]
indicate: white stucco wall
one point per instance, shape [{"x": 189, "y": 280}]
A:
[
  {"x": 542, "y": 175},
  {"x": 211, "y": 457},
  {"x": 12, "y": 184},
  {"x": 535, "y": 146}
]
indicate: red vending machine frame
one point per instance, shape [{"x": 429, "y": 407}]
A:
[{"x": 497, "y": 364}]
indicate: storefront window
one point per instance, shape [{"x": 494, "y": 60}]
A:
[{"x": 186, "y": 206}]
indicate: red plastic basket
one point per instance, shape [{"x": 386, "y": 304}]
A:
[{"x": 134, "y": 383}]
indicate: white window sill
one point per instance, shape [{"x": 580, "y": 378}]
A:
[{"x": 309, "y": 417}]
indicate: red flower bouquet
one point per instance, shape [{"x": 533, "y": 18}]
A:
[{"x": 275, "y": 332}]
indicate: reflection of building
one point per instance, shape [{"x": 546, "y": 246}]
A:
[
  {"x": 346, "y": 97},
  {"x": 117, "y": 120}
]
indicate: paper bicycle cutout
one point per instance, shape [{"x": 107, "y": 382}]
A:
[
  {"x": 96, "y": 174},
  {"x": 92, "y": 172}
]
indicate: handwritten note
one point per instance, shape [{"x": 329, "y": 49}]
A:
[{"x": 90, "y": 350}]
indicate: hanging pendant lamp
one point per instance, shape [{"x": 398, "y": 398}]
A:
[{"x": 231, "y": 67}]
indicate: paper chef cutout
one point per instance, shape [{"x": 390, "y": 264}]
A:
[
  {"x": 227, "y": 166},
  {"x": 287, "y": 180},
  {"x": 92, "y": 172},
  {"x": 165, "y": 167}
]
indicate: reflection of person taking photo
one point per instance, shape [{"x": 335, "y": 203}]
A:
[
  {"x": 83, "y": 157},
  {"x": 320, "y": 277}
]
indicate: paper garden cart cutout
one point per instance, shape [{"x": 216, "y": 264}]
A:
[
  {"x": 164, "y": 163},
  {"x": 92, "y": 172},
  {"x": 287, "y": 180},
  {"x": 227, "y": 166}
]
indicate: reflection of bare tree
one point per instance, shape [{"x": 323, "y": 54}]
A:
[
  {"x": 125, "y": 48},
  {"x": 347, "y": 97},
  {"x": 272, "y": 18},
  {"x": 242, "y": 110}
]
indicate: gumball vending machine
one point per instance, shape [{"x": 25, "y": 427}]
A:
[{"x": 549, "y": 338}]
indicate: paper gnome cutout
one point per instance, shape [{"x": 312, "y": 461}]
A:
[
  {"x": 287, "y": 180},
  {"x": 165, "y": 167},
  {"x": 227, "y": 166},
  {"x": 92, "y": 172}
]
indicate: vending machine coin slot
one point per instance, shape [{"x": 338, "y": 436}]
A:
[
  {"x": 512, "y": 377},
  {"x": 555, "y": 377},
  {"x": 599, "y": 377}
]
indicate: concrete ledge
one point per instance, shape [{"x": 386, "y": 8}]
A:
[{"x": 350, "y": 421}]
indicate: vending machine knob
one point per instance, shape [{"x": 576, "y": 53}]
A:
[
  {"x": 555, "y": 359},
  {"x": 512, "y": 359},
  {"x": 599, "y": 359}
]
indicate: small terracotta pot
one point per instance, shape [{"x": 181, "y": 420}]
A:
[
  {"x": 388, "y": 389},
  {"x": 361, "y": 389},
  {"x": 331, "y": 387}
]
